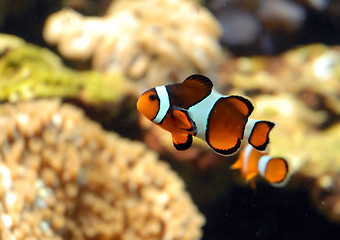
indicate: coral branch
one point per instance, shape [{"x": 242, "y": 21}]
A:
[{"x": 63, "y": 177}]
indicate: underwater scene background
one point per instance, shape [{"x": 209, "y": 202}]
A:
[{"x": 78, "y": 161}]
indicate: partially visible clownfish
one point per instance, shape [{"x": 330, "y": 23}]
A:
[
  {"x": 252, "y": 162},
  {"x": 194, "y": 108}
]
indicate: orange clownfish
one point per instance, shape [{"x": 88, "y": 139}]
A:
[
  {"x": 252, "y": 162},
  {"x": 194, "y": 108}
]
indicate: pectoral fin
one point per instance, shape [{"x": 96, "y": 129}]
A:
[
  {"x": 237, "y": 164},
  {"x": 252, "y": 183},
  {"x": 182, "y": 141},
  {"x": 251, "y": 175},
  {"x": 182, "y": 120}
]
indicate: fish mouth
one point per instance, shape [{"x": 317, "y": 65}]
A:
[{"x": 138, "y": 104}]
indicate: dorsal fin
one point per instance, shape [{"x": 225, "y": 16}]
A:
[
  {"x": 193, "y": 90},
  {"x": 199, "y": 81}
]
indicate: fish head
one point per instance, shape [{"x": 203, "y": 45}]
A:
[{"x": 148, "y": 104}]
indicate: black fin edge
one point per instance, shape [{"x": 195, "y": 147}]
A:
[
  {"x": 246, "y": 102},
  {"x": 263, "y": 146},
  {"x": 203, "y": 79},
  {"x": 227, "y": 152},
  {"x": 184, "y": 146}
]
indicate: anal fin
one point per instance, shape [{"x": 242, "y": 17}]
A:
[
  {"x": 238, "y": 164},
  {"x": 182, "y": 141},
  {"x": 250, "y": 176}
]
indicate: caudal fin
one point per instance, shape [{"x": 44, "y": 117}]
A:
[
  {"x": 259, "y": 136},
  {"x": 274, "y": 170}
]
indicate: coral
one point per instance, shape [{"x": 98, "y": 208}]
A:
[
  {"x": 154, "y": 41},
  {"x": 311, "y": 151},
  {"x": 326, "y": 195},
  {"x": 63, "y": 177},
  {"x": 311, "y": 73},
  {"x": 28, "y": 71},
  {"x": 270, "y": 27},
  {"x": 254, "y": 17},
  {"x": 300, "y": 90}
]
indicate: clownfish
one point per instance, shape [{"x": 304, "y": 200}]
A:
[
  {"x": 194, "y": 108},
  {"x": 252, "y": 162}
]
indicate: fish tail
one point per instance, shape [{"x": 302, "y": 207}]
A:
[
  {"x": 259, "y": 134},
  {"x": 274, "y": 170}
]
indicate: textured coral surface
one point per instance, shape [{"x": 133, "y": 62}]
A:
[
  {"x": 29, "y": 71},
  {"x": 270, "y": 27},
  {"x": 63, "y": 177},
  {"x": 326, "y": 195},
  {"x": 153, "y": 46},
  {"x": 300, "y": 90}
]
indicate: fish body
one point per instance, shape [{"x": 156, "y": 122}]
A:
[
  {"x": 252, "y": 163},
  {"x": 194, "y": 108}
]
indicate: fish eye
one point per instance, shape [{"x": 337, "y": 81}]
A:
[{"x": 152, "y": 96}]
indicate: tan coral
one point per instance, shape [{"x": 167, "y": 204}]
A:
[
  {"x": 63, "y": 177},
  {"x": 156, "y": 41},
  {"x": 76, "y": 39},
  {"x": 326, "y": 195},
  {"x": 299, "y": 90},
  {"x": 309, "y": 72},
  {"x": 311, "y": 152}
]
